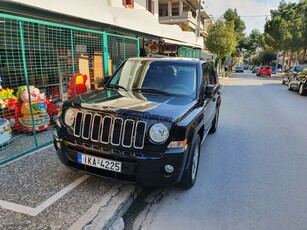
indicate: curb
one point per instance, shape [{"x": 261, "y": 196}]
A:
[{"x": 110, "y": 208}]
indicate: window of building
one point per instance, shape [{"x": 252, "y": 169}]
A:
[
  {"x": 151, "y": 6},
  {"x": 128, "y": 3}
]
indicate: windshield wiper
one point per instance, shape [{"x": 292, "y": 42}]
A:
[
  {"x": 151, "y": 90},
  {"x": 116, "y": 87}
]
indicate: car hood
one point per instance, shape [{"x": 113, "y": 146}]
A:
[{"x": 152, "y": 106}]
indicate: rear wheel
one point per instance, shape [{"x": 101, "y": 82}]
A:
[
  {"x": 189, "y": 176},
  {"x": 283, "y": 81},
  {"x": 301, "y": 90},
  {"x": 215, "y": 121},
  {"x": 289, "y": 86}
]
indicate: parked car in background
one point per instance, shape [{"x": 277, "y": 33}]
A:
[
  {"x": 274, "y": 70},
  {"x": 298, "y": 82},
  {"x": 264, "y": 70},
  {"x": 239, "y": 69},
  {"x": 255, "y": 69},
  {"x": 292, "y": 72}
]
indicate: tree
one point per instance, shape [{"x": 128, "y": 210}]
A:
[
  {"x": 287, "y": 29},
  {"x": 253, "y": 41},
  {"x": 231, "y": 15},
  {"x": 263, "y": 58},
  {"x": 221, "y": 40},
  {"x": 302, "y": 22}
]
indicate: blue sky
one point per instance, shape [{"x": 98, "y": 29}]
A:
[{"x": 252, "y": 12}]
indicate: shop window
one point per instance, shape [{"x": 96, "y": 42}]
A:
[
  {"x": 151, "y": 6},
  {"x": 128, "y": 3}
]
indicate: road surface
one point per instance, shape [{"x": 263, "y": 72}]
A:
[{"x": 253, "y": 170}]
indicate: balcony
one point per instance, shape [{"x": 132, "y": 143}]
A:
[{"x": 185, "y": 18}]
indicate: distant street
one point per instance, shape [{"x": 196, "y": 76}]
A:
[{"x": 252, "y": 171}]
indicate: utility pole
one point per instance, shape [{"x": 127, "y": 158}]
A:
[{"x": 198, "y": 19}]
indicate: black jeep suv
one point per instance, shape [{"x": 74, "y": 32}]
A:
[{"x": 146, "y": 126}]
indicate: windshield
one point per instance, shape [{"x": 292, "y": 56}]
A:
[{"x": 157, "y": 77}]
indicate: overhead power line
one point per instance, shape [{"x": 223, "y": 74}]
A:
[{"x": 248, "y": 16}]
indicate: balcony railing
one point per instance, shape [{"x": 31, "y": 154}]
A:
[{"x": 186, "y": 17}]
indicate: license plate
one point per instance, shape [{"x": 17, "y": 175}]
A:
[{"x": 99, "y": 162}]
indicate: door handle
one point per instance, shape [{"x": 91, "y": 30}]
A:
[{"x": 214, "y": 99}]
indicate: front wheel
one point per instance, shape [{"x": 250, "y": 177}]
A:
[
  {"x": 301, "y": 90},
  {"x": 189, "y": 176}
]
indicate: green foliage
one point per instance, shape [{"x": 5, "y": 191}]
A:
[
  {"x": 221, "y": 39},
  {"x": 287, "y": 28},
  {"x": 264, "y": 58},
  {"x": 239, "y": 26},
  {"x": 252, "y": 42},
  {"x": 231, "y": 15}
]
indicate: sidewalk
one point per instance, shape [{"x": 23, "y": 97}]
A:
[{"x": 38, "y": 192}]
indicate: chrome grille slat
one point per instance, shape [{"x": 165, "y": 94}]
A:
[
  {"x": 78, "y": 123},
  {"x": 96, "y": 132},
  {"x": 108, "y": 130},
  {"x": 117, "y": 131},
  {"x": 139, "y": 135},
  {"x": 86, "y": 126},
  {"x": 128, "y": 133}
]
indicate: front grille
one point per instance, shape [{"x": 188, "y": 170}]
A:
[{"x": 105, "y": 129}]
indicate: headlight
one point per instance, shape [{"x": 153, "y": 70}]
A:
[
  {"x": 69, "y": 117},
  {"x": 158, "y": 133}
]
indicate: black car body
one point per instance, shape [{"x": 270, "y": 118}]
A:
[
  {"x": 146, "y": 124},
  {"x": 299, "y": 82},
  {"x": 292, "y": 72}
]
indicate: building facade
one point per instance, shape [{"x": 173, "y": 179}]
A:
[{"x": 53, "y": 49}]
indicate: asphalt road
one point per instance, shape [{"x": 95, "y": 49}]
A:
[{"x": 253, "y": 170}]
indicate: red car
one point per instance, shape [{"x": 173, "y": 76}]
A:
[{"x": 264, "y": 70}]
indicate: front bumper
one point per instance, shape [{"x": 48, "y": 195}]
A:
[{"x": 138, "y": 167}]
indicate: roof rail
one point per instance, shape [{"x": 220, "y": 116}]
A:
[{"x": 156, "y": 56}]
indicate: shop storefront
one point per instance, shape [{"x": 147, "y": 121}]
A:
[
  {"x": 42, "y": 64},
  {"x": 49, "y": 54}
]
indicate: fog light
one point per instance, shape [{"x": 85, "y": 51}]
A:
[{"x": 169, "y": 168}]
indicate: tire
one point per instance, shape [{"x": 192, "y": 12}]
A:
[
  {"x": 215, "y": 121},
  {"x": 189, "y": 176},
  {"x": 283, "y": 82},
  {"x": 301, "y": 90},
  {"x": 289, "y": 86}
]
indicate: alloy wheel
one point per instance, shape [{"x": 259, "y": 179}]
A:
[
  {"x": 301, "y": 89},
  {"x": 195, "y": 162}
]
